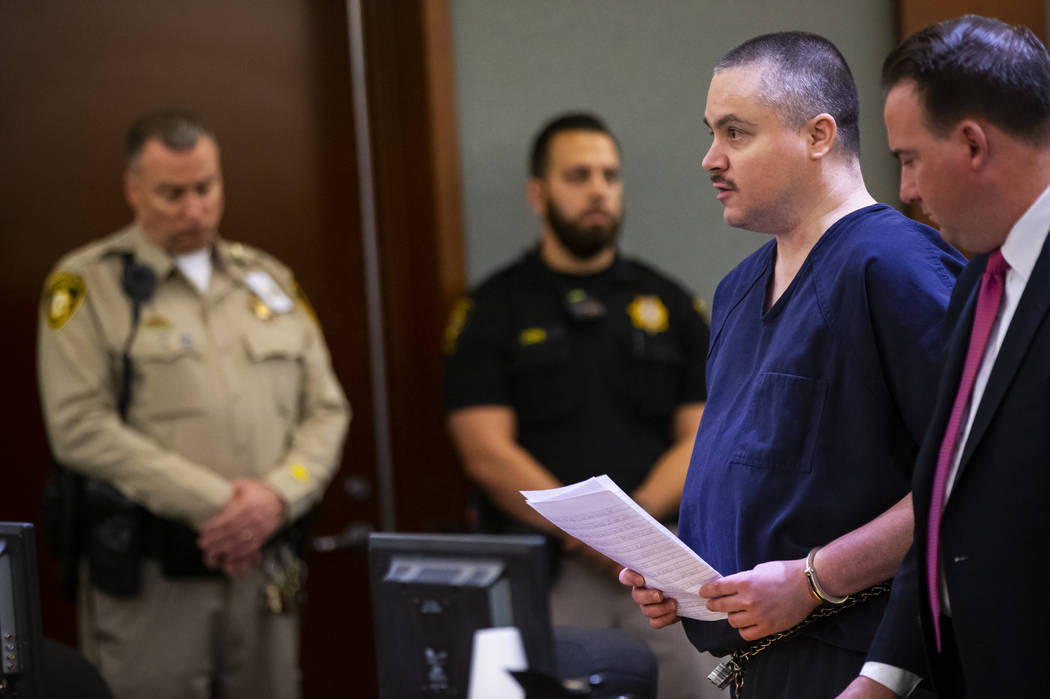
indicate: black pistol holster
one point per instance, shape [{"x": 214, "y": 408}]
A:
[
  {"x": 85, "y": 517},
  {"x": 116, "y": 536}
]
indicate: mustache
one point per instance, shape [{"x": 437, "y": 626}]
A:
[{"x": 719, "y": 179}]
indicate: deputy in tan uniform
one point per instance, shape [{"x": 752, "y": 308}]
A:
[{"x": 233, "y": 426}]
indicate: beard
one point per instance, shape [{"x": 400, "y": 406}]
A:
[{"x": 583, "y": 242}]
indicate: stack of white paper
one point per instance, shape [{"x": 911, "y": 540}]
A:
[{"x": 599, "y": 514}]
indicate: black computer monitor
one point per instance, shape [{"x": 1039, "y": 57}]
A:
[
  {"x": 430, "y": 592},
  {"x": 20, "y": 633}
]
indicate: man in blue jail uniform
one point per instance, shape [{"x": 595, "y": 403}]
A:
[{"x": 824, "y": 351}]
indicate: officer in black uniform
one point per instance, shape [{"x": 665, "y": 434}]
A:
[{"x": 574, "y": 361}]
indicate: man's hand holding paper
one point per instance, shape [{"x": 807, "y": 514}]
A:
[
  {"x": 662, "y": 611},
  {"x": 767, "y": 599},
  {"x": 600, "y": 514}
]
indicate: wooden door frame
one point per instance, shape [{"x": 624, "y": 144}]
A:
[
  {"x": 408, "y": 61},
  {"x": 913, "y": 15}
]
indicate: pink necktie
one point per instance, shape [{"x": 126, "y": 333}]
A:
[{"x": 987, "y": 306}]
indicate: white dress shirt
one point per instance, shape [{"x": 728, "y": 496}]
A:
[{"x": 197, "y": 267}]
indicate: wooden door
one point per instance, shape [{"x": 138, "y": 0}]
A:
[
  {"x": 913, "y": 15},
  {"x": 273, "y": 80}
]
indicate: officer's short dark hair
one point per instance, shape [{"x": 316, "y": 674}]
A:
[
  {"x": 177, "y": 129},
  {"x": 974, "y": 66},
  {"x": 571, "y": 121},
  {"x": 803, "y": 75}
]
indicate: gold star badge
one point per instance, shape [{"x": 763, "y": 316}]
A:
[
  {"x": 64, "y": 293},
  {"x": 259, "y": 309},
  {"x": 648, "y": 313}
]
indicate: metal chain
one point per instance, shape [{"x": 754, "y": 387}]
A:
[{"x": 732, "y": 670}]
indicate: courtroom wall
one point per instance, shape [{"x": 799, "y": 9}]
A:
[{"x": 645, "y": 67}]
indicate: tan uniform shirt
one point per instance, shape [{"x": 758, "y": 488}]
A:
[{"x": 227, "y": 384}]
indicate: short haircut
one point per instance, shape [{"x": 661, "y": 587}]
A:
[
  {"x": 804, "y": 75},
  {"x": 178, "y": 129},
  {"x": 974, "y": 66},
  {"x": 539, "y": 158}
]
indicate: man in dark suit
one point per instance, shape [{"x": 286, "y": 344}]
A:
[{"x": 968, "y": 116}]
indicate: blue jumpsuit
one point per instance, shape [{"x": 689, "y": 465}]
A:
[{"x": 816, "y": 407}]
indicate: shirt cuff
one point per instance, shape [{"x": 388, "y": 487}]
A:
[{"x": 898, "y": 680}]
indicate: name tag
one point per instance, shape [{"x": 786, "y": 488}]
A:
[{"x": 269, "y": 292}]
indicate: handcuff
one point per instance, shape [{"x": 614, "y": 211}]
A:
[{"x": 814, "y": 585}]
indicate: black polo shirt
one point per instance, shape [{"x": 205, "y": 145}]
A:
[{"x": 594, "y": 366}]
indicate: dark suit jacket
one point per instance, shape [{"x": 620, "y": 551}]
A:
[{"x": 995, "y": 529}]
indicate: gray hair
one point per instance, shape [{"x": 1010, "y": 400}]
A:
[
  {"x": 178, "y": 129},
  {"x": 803, "y": 75}
]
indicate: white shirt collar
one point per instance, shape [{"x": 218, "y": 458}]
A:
[
  {"x": 1025, "y": 240},
  {"x": 197, "y": 267}
]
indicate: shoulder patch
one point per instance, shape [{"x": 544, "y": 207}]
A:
[
  {"x": 63, "y": 295},
  {"x": 304, "y": 303},
  {"x": 457, "y": 320}
]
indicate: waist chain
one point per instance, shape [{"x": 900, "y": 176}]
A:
[{"x": 731, "y": 672}]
